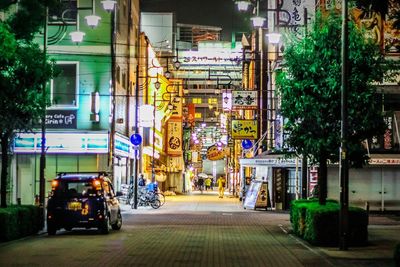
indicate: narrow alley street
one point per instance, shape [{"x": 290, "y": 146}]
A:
[
  {"x": 194, "y": 230},
  {"x": 191, "y": 230}
]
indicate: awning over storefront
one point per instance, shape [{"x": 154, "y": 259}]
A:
[
  {"x": 275, "y": 160},
  {"x": 63, "y": 142},
  {"x": 384, "y": 159}
]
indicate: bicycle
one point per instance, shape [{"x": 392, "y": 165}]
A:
[
  {"x": 158, "y": 195},
  {"x": 148, "y": 199},
  {"x": 130, "y": 194}
]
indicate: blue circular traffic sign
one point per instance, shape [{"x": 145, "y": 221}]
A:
[
  {"x": 246, "y": 144},
  {"x": 136, "y": 139}
]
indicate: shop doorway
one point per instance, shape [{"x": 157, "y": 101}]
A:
[{"x": 285, "y": 185}]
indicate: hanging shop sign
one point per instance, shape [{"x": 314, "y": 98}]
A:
[
  {"x": 223, "y": 121},
  {"x": 227, "y": 100},
  {"x": 244, "y": 100},
  {"x": 122, "y": 146},
  {"x": 173, "y": 95},
  {"x": 244, "y": 129},
  {"x": 61, "y": 119},
  {"x": 215, "y": 153},
  {"x": 191, "y": 112},
  {"x": 278, "y": 132},
  {"x": 174, "y": 137}
]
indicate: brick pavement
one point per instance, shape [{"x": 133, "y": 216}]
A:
[
  {"x": 384, "y": 231},
  {"x": 196, "y": 230}
]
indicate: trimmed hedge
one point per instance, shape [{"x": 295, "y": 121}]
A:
[
  {"x": 319, "y": 225},
  {"x": 19, "y": 221},
  {"x": 396, "y": 255}
]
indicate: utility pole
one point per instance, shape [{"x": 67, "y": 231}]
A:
[
  {"x": 42, "y": 166},
  {"x": 135, "y": 199},
  {"x": 343, "y": 167}
]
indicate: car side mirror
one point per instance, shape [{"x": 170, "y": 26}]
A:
[{"x": 118, "y": 194}]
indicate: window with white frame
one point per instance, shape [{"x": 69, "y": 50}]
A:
[{"x": 64, "y": 87}]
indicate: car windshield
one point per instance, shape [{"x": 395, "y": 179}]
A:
[{"x": 76, "y": 189}]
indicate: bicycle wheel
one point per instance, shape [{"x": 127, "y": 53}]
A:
[
  {"x": 161, "y": 197},
  {"x": 155, "y": 203}
]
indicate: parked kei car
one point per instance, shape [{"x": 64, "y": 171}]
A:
[{"x": 83, "y": 200}]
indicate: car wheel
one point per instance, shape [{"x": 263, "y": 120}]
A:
[
  {"x": 51, "y": 228},
  {"x": 105, "y": 226},
  {"x": 117, "y": 225}
]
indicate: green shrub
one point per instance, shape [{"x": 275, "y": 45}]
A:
[
  {"x": 319, "y": 225},
  {"x": 19, "y": 221},
  {"x": 396, "y": 255}
]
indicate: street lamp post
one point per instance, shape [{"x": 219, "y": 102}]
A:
[
  {"x": 261, "y": 67},
  {"x": 157, "y": 86}
]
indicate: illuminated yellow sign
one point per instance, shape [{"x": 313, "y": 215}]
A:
[
  {"x": 215, "y": 153},
  {"x": 244, "y": 129}
]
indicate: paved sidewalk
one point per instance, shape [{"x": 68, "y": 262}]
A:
[
  {"x": 384, "y": 229},
  {"x": 199, "y": 230}
]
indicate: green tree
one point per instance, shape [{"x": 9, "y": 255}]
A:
[
  {"x": 310, "y": 89},
  {"x": 24, "y": 70}
]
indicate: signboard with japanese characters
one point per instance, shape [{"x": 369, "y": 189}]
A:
[
  {"x": 297, "y": 13},
  {"x": 244, "y": 100},
  {"x": 174, "y": 137},
  {"x": 188, "y": 112},
  {"x": 244, "y": 129},
  {"x": 227, "y": 100}
]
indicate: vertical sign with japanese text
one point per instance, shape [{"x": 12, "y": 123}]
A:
[{"x": 174, "y": 137}]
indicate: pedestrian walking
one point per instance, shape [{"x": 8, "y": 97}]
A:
[
  {"x": 221, "y": 186},
  {"x": 208, "y": 183},
  {"x": 200, "y": 183}
]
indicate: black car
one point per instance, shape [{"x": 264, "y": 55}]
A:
[{"x": 83, "y": 200}]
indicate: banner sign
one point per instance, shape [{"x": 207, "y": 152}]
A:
[
  {"x": 172, "y": 95},
  {"x": 385, "y": 161},
  {"x": 213, "y": 153},
  {"x": 60, "y": 119},
  {"x": 122, "y": 145},
  {"x": 244, "y": 129},
  {"x": 244, "y": 100},
  {"x": 227, "y": 100},
  {"x": 174, "y": 137}
]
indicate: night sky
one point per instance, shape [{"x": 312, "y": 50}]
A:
[{"x": 219, "y": 13}]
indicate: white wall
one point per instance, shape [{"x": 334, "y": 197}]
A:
[
  {"x": 366, "y": 184},
  {"x": 158, "y": 27}
]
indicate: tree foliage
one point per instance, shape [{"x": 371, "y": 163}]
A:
[
  {"x": 24, "y": 70},
  {"x": 310, "y": 91}
]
